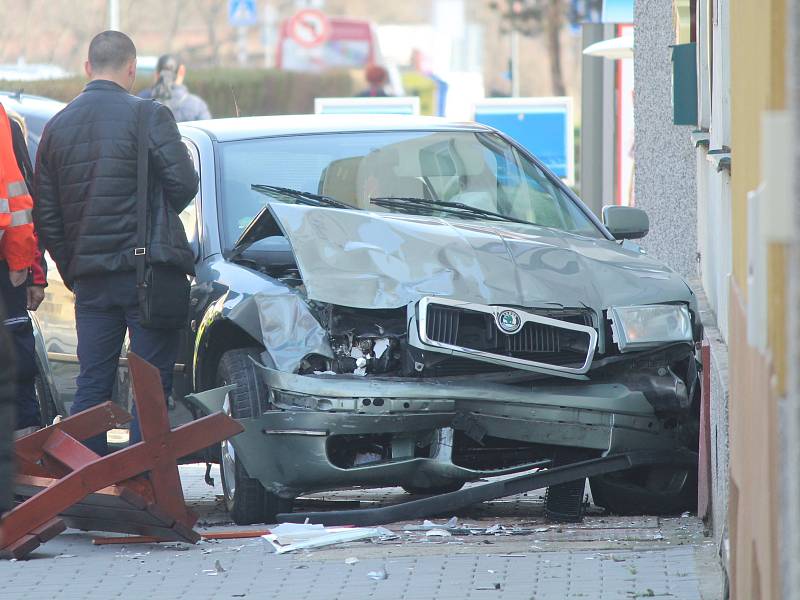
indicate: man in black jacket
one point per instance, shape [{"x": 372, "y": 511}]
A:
[{"x": 86, "y": 172}]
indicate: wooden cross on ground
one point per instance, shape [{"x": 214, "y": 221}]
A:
[{"x": 134, "y": 490}]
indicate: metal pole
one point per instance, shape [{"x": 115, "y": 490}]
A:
[
  {"x": 113, "y": 15},
  {"x": 514, "y": 63},
  {"x": 242, "y": 45}
]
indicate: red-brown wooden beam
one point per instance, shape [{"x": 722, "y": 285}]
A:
[{"x": 157, "y": 455}]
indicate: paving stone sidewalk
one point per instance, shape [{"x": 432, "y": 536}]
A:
[{"x": 602, "y": 558}]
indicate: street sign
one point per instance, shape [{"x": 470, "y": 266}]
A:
[
  {"x": 242, "y": 13},
  {"x": 393, "y": 105},
  {"x": 543, "y": 126},
  {"x": 309, "y": 28}
]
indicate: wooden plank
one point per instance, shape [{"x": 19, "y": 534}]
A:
[
  {"x": 110, "y": 496},
  {"x": 120, "y": 513},
  {"x": 148, "y": 394},
  {"x": 28, "y": 543},
  {"x": 165, "y": 533},
  {"x": 128, "y": 539},
  {"x": 86, "y": 424},
  {"x": 143, "y": 539},
  {"x": 68, "y": 451},
  {"x": 87, "y": 496}
]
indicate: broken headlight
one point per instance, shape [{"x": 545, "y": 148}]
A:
[{"x": 642, "y": 327}]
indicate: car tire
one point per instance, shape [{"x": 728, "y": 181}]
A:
[
  {"x": 434, "y": 490},
  {"x": 647, "y": 491},
  {"x": 245, "y": 498}
]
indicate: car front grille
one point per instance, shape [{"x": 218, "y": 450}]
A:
[{"x": 556, "y": 338}]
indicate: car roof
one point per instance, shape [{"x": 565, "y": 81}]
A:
[
  {"x": 28, "y": 104},
  {"x": 225, "y": 130}
]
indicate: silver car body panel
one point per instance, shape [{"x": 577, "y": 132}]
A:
[{"x": 365, "y": 259}]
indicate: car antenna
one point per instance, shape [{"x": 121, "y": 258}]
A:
[{"x": 235, "y": 104}]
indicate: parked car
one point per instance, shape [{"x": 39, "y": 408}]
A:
[
  {"x": 36, "y": 112},
  {"x": 402, "y": 301}
]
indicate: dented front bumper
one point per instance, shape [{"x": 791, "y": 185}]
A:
[{"x": 288, "y": 450}]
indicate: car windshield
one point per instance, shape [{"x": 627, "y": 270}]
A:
[{"x": 459, "y": 175}]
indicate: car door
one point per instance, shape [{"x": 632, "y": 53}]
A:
[{"x": 56, "y": 320}]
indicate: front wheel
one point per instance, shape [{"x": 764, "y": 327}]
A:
[{"x": 245, "y": 498}]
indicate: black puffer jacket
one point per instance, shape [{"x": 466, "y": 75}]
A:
[{"x": 85, "y": 211}]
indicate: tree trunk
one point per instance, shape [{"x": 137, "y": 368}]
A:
[{"x": 554, "y": 23}]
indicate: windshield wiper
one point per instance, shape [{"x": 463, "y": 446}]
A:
[
  {"x": 457, "y": 208},
  {"x": 299, "y": 196}
]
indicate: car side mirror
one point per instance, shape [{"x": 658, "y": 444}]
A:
[
  {"x": 626, "y": 222},
  {"x": 273, "y": 252}
]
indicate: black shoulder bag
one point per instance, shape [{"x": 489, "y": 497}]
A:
[{"x": 163, "y": 289}]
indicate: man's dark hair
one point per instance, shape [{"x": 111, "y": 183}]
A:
[{"x": 111, "y": 50}]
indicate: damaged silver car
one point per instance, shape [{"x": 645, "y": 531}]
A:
[{"x": 411, "y": 302}]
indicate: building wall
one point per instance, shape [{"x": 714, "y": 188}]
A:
[
  {"x": 665, "y": 175},
  {"x": 758, "y": 374},
  {"x": 714, "y": 242},
  {"x": 790, "y": 408}
]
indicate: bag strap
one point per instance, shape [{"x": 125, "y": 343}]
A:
[{"x": 142, "y": 163}]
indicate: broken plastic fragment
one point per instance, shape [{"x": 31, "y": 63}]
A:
[
  {"x": 438, "y": 533},
  {"x": 380, "y": 347},
  {"x": 288, "y": 537},
  {"x": 496, "y": 528},
  {"x": 350, "y": 560},
  {"x": 378, "y": 575}
]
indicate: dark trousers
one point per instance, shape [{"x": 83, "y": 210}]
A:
[
  {"x": 19, "y": 328},
  {"x": 105, "y": 307}
]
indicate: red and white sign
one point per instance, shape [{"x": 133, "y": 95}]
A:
[{"x": 309, "y": 28}]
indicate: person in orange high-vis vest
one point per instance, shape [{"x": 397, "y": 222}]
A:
[
  {"x": 18, "y": 251},
  {"x": 18, "y": 247}
]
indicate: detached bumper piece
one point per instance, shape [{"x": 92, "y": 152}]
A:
[
  {"x": 135, "y": 490},
  {"x": 447, "y": 503}
]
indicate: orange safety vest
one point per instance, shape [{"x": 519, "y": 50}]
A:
[{"x": 17, "y": 238}]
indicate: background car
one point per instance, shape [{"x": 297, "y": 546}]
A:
[
  {"x": 410, "y": 301},
  {"x": 36, "y": 112}
]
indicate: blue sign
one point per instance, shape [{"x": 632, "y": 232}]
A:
[
  {"x": 543, "y": 126},
  {"x": 242, "y": 13}
]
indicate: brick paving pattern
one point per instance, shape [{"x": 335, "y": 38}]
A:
[{"x": 602, "y": 558}]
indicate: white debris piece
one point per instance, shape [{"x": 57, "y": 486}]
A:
[
  {"x": 350, "y": 560},
  {"x": 427, "y": 525},
  {"x": 496, "y": 528},
  {"x": 378, "y": 575},
  {"x": 438, "y": 533},
  {"x": 288, "y": 537},
  {"x": 381, "y": 346}
]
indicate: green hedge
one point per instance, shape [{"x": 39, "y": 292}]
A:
[{"x": 256, "y": 91}]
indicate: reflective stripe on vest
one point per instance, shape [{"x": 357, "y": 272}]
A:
[
  {"x": 17, "y": 188},
  {"x": 21, "y": 217},
  {"x": 4, "y": 207}
]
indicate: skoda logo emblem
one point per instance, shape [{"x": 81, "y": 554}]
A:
[{"x": 509, "y": 321}]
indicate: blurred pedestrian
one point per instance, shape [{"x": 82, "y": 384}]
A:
[
  {"x": 377, "y": 78},
  {"x": 18, "y": 253},
  {"x": 170, "y": 90},
  {"x": 86, "y": 214}
]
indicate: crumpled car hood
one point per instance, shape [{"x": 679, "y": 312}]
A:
[{"x": 380, "y": 260}]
